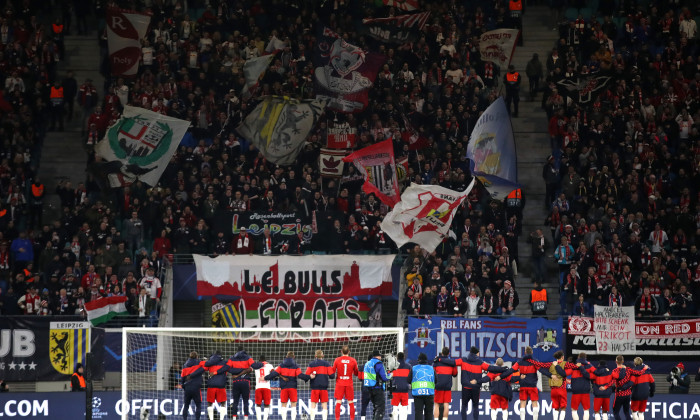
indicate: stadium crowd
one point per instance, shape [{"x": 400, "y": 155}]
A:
[{"x": 620, "y": 179}]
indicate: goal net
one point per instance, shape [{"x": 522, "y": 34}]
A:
[{"x": 152, "y": 360}]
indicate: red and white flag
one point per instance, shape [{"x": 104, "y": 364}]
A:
[
  {"x": 407, "y": 5},
  {"x": 376, "y": 163},
  {"x": 498, "y": 46},
  {"x": 424, "y": 215},
  {"x": 125, "y": 29},
  {"x": 341, "y": 136},
  {"x": 410, "y": 135},
  {"x": 331, "y": 163}
]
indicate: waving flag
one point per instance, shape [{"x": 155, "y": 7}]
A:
[
  {"x": 398, "y": 29},
  {"x": 583, "y": 88},
  {"x": 411, "y": 136},
  {"x": 498, "y": 46},
  {"x": 331, "y": 163},
  {"x": 491, "y": 150},
  {"x": 407, "y": 5},
  {"x": 424, "y": 215},
  {"x": 139, "y": 146},
  {"x": 278, "y": 127},
  {"x": 253, "y": 70},
  {"x": 341, "y": 136},
  {"x": 102, "y": 310},
  {"x": 275, "y": 45},
  {"x": 125, "y": 29},
  {"x": 376, "y": 163},
  {"x": 344, "y": 72}
]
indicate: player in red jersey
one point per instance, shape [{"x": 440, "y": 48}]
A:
[{"x": 345, "y": 367}]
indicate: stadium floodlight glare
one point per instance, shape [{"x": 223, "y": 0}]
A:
[{"x": 152, "y": 356}]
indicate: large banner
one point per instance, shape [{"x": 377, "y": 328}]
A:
[
  {"x": 139, "y": 146},
  {"x": 344, "y": 72},
  {"x": 491, "y": 151},
  {"x": 38, "y": 348},
  {"x": 494, "y": 337},
  {"x": 306, "y": 312},
  {"x": 280, "y": 223},
  {"x": 498, "y": 46},
  {"x": 294, "y": 277},
  {"x": 660, "y": 339},
  {"x": 278, "y": 126},
  {"x": 170, "y": 404},
  {"x": 583, "y": 89},
  {"x": 125, "y": 29},
  {"x": 341, "y": 136},
  {"x": 424, "y": 215},
  {"x": 614, "y": 329}
]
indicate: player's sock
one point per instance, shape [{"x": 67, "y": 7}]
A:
[
  {"x": 596, "y": 416},
  {"x": 210, "y": 412},
  {"x": 555, "y": 414},
  {"x": 266, "y": 413},
  {"x": 222, "y": 412},
  {"x": 324, "y": 415},
  {"x": 574, "y": 415},
  {"x": 523, "y": 411},
  {"x": 535, "y": 412},
  {"x": 351, "y": 407},
  {"x": 258, "y": 412},
  {"x": 395, "y": 412},
  {"x": 494, "y": 414},
  {"x": 505, "y": 414},
  {"x": 313, "y": 414},
  {"x": 586, "y": 415},
  {"x": 337, "y": 410},
  {"x": 404, "y": 412},
  {"x": 283, "y": 412},
  {"x": 293, "y": 410},
  {"x": 605, "y": 416},
  {"x": 640, "y": 415},
  {"x": 362, "y": 417},
  {"x": 562, "y": 414}
]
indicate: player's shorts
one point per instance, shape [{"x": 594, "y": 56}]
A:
[
  {"x": 498, "y": 401},
  {"x": 581, "y": 399},
  {"x": 601, "y": 404},
  {"x": 529, "y": 394},
  {"x": 399, "y": 398},
  {"x": 319, "y": 395},
  {"x": 442, "y": 397},
  {"x": 559, "y": 398},
  {"x": 288, "y": 394},
  {"x": 639, "y": 406},
  {"x": 263, "y": 395},
  {"x": 216, "y": 395},
  {"x": 344, "y": 391}
]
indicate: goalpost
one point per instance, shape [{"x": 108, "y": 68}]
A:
[{"x": 152, "y": 359}]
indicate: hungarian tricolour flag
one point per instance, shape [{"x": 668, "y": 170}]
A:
[{"x": 102, "y": 310}]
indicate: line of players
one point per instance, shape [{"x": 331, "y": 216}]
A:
[
  {"x": 318, "y": 373},
  {"x": 629, "y": 387}
]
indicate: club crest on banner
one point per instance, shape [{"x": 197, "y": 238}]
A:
[
  {"x": 422, "y": 337},
  {"x": 546, "y": 339},
  {"x": 140, "y": 140},
  {"x": 486, "y": 153},
  {"x": 68, "y": 343}
]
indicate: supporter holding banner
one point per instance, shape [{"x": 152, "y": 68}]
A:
[
  {"x": 341, "y": 136},
  {"x": 614, "y": 329},
  {"x": 125, "y": 29},
  {"x": 331, "y": 163},
  {"x": 397, "y": 29},
  {"x": 494, "y": 337},
  {"x": 294, "y": 277},
  {"x": 424, "y": 215},
  {"x": 139, "y": 146},
  {"x": 278, "y": 127},
  {"x": 344, "y": 73},
  {"x": 498, "y": 46},
  {"x": 491, "y": 150},
  {"x": 376, "y": 163}
]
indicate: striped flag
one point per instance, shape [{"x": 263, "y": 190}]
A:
[
  {"x": 102, "y": 310},
  {"x": 407, "y": 5},
  {"x": 377, "y": 164}
]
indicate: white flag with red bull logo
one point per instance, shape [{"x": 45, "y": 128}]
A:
[
  {"x": 498, "y": 46},
  {"x": 139, "y": 146},
  {"x": 424, "y": 215},
  {"x": 125, "y": 29}
]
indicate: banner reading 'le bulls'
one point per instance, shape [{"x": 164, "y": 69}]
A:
[{"x": 125, "y": 29}]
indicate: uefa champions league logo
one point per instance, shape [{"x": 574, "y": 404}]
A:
[{"x": 96, "y": 403}]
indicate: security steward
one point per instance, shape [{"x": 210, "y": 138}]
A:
[
  {"x": 422, "y": 379},
  {"x": 77, "y": 380},
  {"x": 515, "y": 7},
  {"x": 515, "y": 202},
  {"x": 56, "y": 99},
  {"x": 375, "y": 377},
  {"x": 512, "y": 82},
  {"x": 538, "y": 300},
  {"x": 37, "y": 202}
]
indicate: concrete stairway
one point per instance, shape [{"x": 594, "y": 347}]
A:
[
  {"x": 532, "y": 145},
  {"x": 63, "y": 156}
]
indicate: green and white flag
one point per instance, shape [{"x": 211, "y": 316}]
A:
[{"x": 139, "y": 146}]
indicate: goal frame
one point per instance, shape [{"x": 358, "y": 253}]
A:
[{"x": 398, "y": 331}]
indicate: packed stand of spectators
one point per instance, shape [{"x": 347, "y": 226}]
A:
[{"x": 622, "y": 179}]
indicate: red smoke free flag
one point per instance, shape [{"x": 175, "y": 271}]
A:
[
  {"x": 102, "y": 310},
  {"x": 376, "y": 163},
  {"x": 125, "y": 29}
]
